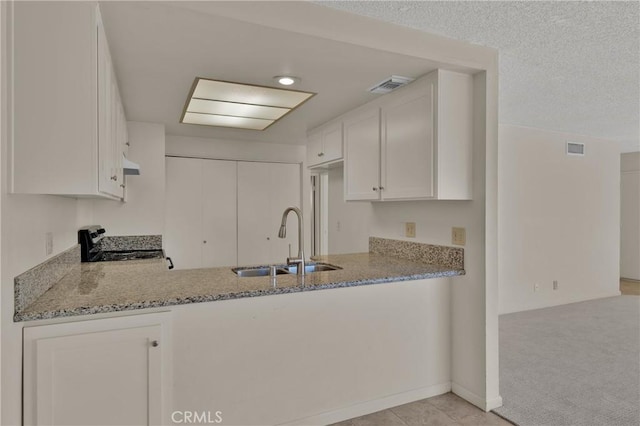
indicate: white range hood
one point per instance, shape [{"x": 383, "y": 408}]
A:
[{"x": 129, "y": 167}]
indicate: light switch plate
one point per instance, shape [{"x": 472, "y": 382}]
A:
[
  {"x": 410, "y": 229},
  {"x": 458, "y": 236}
]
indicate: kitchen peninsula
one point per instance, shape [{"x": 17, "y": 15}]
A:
[
  {"x": 209, "y": 348},
  {"x": 91, "y": 288}
]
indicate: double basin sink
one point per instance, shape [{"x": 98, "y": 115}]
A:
[{"x": 261, "y": 271}]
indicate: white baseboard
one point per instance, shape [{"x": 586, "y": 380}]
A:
[
  {"x": 554, "y": 303},
  {"x": 478, "y": 401},
  {"x": 372, "y": 406}
]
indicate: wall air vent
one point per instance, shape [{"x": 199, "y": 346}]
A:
[
  {"x": 391, "y": 83},
  {"x": 575, "y": 148}
]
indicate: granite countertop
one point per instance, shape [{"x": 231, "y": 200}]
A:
[{"x": 101, "y": 287}]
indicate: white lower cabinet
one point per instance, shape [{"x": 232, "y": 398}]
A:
[{"x": 110, "y": 371}]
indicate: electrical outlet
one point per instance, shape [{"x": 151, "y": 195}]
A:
[
  {"x": 410, "y": 229},
  {"x": 458, "y": 236},
  {"x": 555, "y": 284},
  {"x": 536, "y": 287},
  {"x": 48, "y": 243}
]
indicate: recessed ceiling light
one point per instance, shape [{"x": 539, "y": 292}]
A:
[
  {"x": 286, "y": 80},
  {"x": 238, "y": 105}
]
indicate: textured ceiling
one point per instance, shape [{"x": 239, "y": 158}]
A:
[{"x": 564, "y": 65}]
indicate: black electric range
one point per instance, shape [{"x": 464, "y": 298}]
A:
[{"x": 91, "y": 250}]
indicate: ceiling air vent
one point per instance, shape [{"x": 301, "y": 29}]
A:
[
  {"x": 574, "y": 148},
  {"x": 389, "y": 84}
]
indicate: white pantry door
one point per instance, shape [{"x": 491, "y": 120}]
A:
[
  {"x": 200, "y": 221},
  {"x": 265, "y": 190},
  {"x": 219, "y": 215}
]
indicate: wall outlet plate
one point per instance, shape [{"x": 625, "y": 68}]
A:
[
  {"x": 48, "y": 243},
  {"x": 458, "y": 236},
  {"x": 410, "y": 229}
]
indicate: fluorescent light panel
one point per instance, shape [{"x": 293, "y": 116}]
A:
[
  {"x": 205, "y": 106},
  {"x": 226, "y": 104},
  {"x": 226, "y": 121}
]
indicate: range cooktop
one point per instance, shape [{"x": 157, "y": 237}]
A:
[{"x": 110, "y": 256}]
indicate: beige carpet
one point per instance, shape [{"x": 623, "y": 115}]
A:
[{"x": 576, "y": 364}]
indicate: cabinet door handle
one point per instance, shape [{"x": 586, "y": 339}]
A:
[
  {"x": 127, "y": 144},
  {"x": 204, "y": 242},
  {"x": 155, "y": 343},
  {"x": 321, "y": 154},
  {"x": 375, "y": 188},
  {"x": 381, "y": 188},
  {"x": 122, "y": 185},
  {"x": 114, "y": 177}
]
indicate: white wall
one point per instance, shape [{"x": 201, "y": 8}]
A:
[
  {"x": 24, "y": 220},
  {"x": 630, "y": 216},
  {"x": 221, "y": 149},
  {"x": 434, "y": 220},
  {"x": 559, "y": 219},
  {"x": 143, "y": 213},
  {"x": 349, "y": 223}
]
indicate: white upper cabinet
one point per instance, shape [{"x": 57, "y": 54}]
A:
[
  {"x": 324, "y": 144},
  {"x": 69, "y": 128},
  {"x": 412, "y": 144},
  {"x": 362, "y": 154}
]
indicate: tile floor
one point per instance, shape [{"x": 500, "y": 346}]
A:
[
  {"x": 442, "y": 410},
  {"x": 628, "y": 287}
]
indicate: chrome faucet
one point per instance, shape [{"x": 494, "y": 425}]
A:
[{"x": 283, "y": 233}]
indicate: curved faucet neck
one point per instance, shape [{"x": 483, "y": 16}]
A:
[{"x": 283, "y": 234}]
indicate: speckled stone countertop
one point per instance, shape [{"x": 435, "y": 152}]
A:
[{"x": 91, "y": 288}]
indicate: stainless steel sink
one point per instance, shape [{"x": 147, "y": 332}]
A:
[
  {"x": 258, "y": 272},
  {"x": 263, "y": 271},
  {"x": 314, "y": 267}
]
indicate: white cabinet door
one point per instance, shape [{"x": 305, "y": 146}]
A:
[
  {"x": 265, "y": 190},
  {"x": 105, "y": 115},
  {"x": 219, "y": 222},
  {"x": 314, "y": 149},
  {"x": 73, "y": 150},
  {"x": 408, "y": 146},
  {"x": 183, "y": 236},
  {"x": 200, "y": 222},
  {"x": 110, "y": 122},
  {"x": 423, "y": 148},
  {"x": 324, "y": 145},
  {"x": 332, "y": 142},
  {"x": 362, "y": 155},
  {"x": 96, "y": 372}
]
